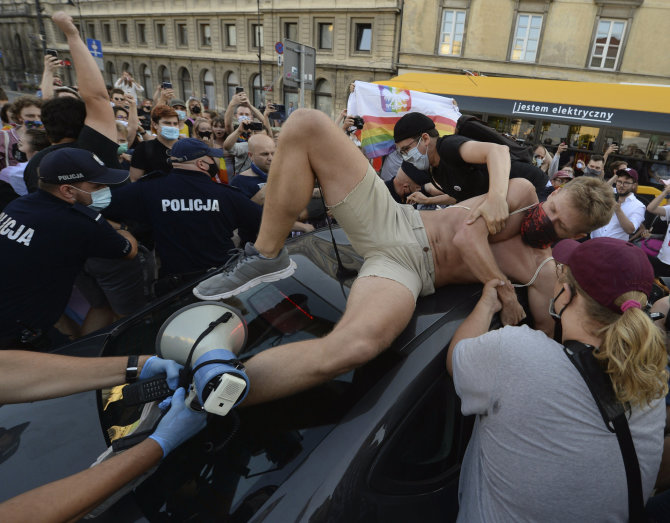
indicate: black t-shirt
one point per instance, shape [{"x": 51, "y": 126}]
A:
[
  {"x": 151, "y": 156},
  {"x": 44, "y": 243},
  {"x": 192, "y": 217},
  {"x": 88, "y": 139},
  {"x": 463, "y": 180}
]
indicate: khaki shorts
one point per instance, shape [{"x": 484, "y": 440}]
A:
[{"x": 390, "y": 237}]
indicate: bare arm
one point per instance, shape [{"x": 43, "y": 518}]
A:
[
  {"x": 440, "y": 199},
  {"x": 231, "y": 139},
  {"x": 653, "y": 207},
  {"x": 51, "y": 63},
  {"x": 237, "y": 99},
  {"x": 479, "y": 320},
  {"x": 262, "y": 118},
  {"x": 99, "y": 114},
  {"x": 31, "y": 376},
  {"x": 133, "y": 120},
  {"x": 71, "y": 498},
  {"x": 497, "y": 159}
]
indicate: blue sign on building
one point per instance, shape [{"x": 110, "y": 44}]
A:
[{"x": 95, "y": 46}]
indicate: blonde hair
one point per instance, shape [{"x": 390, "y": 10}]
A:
[
  {"x": 593, "y": 199},
  {"x": 632, "y": 349}
]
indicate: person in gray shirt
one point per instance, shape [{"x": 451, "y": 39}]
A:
[{"x": 540, "y": 450}]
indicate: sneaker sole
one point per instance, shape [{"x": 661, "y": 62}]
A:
[{"x": 264, "y": 278}]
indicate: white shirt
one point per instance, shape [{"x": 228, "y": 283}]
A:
[
  {"x": 664, "y": 253},
  {"x": 634, "y": 211}
]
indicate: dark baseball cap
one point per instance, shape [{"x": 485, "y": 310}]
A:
[
  {"x": 606, "y": 268},
  {"x": 71, "y": 165},
  {"x": 416, "y": 175},
  {"x": 188, "y": 149},
  {"x": 411, "y": 125},
  {"x": 628, "y": 171}
]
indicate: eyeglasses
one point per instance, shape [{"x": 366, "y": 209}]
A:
[
  {"x": 619, "y": 182},
  {"x": 408, "y": 147}
]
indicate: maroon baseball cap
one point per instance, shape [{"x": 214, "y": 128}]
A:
[
  {"x": 606, "y": 268},
  {"x": 628, "y": 171}
]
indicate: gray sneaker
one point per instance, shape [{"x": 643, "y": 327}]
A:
[{"x": 250, "y": 270}]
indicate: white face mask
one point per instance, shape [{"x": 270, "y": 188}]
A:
[
  {"x": 100, "y": 199},
  {"x": 416, "y": 158},
  {"x": 538, "y": 161}
]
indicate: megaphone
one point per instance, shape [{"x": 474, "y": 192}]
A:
[{"x": 205, "y": 337}]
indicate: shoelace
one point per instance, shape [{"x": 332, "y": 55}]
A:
[{"x": 237, "y": 256}]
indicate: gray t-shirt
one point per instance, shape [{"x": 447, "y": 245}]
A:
[
  {"x": 540, "y": 450},
  {"x": 241, "y": 152}
]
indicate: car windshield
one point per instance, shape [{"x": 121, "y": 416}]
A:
[{"x": 232, "y": 467}]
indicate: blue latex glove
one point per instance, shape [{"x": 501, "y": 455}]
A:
[
  {"x": 179, "y": 424},
  {"x": 156, "y": 365}
]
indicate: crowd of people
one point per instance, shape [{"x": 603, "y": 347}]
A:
[{"x": 125, "y": 198}]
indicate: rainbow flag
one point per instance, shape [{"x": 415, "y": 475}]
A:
[{"x": 381, "y": 106}]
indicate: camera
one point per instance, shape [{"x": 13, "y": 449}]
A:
[
  {"x": 166, "y": 85},
  {"x": 253, "y": 126},
  {"x": 358, "y": 122},
  {"x": 51, "y": 52},
  {"x": 239, "y": 89}
]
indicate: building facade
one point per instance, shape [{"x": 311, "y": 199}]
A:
[
  {"x": 611, "y": 41},
  {"x": 206, "y": 47}
]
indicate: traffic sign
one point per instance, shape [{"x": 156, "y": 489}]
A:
[
  {"x": 292, "y": 60},
  {"x": 95, "y": 47},
  {"x": 279, "y": 47}
]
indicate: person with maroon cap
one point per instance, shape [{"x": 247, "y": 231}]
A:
[{"x": 540, "y": 450}]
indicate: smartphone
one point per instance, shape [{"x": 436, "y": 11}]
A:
[
  {"x": 239, "y": 89},
  {"x": 52, "y": 52},
  {"x": 254, "y": 126},
  {"x": 166, "y": 85},
  {"x": 280, "y": 108}
]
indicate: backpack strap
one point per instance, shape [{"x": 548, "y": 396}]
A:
[{"x": 614, "y": 416}]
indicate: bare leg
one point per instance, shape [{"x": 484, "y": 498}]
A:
[
  {"x": 377, "y": 311},
  {"x": 472, "y": 241},
  {"x": 310, "y": 146}
]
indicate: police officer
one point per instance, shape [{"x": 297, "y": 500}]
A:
[
  {"x": 45, "y": 238},
  {"x": 193, "y": 218}
]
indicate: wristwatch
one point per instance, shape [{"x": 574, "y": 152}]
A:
[{"x": 132, "y": 368}]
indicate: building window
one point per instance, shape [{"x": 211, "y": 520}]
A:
[
  {"x": 107, "y": 33},
  {"x": 256, "y": 98},
  {"x": 231, "y": 82},
  {"x": 326, "y": 35},
  {"x": 291, "y": 31},
  {"x": 110, "y": 73},
  {"x": 182, "y": 34},
  {"x": 90, "y": 31},
  {"x": 451, "y": 32},
  {"x": 526, "y": 38},
  {"x": 323, "y": 97},
  {"x": 607, "y": 44},
  {"x": 208, "y": 88},
  {"x": 185, "y": 83},
  {"x": 363, "y": 37},
  {"x": 205, "y": 35},
  {"x": 145, "y": 78},
  {"x": 123, "y": 32},
  {"x": 142, "y": 33},
  {"x": 163, "y": 74},
  {"x": 230, "y": 35},
  {"x": 161, "y": 33},
  {"x": 257, "y": 35}
]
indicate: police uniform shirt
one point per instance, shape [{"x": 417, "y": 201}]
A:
[
  {"x": 248, "y": 185},
  {"x": 193, "y": 218},
  {"x": 44, "y": 243}
]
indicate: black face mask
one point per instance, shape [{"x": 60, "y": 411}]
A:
[
  {"x": 537, "y": 229},
  {"x": 213, "y": 169},
  {"x": 195, "y": 109},
  {"x": 205, "y": 134},
  {"x": 18, "y": 155}
]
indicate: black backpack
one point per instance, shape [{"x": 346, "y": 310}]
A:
[{"x": 472, "y": 127}]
